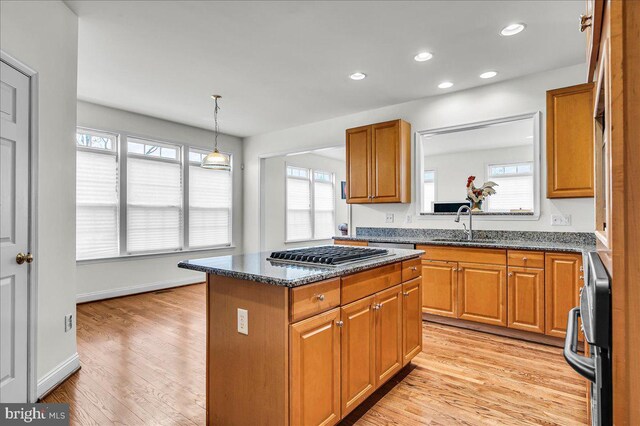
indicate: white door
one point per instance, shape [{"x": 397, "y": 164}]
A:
[{"x": 14, "y": 233}]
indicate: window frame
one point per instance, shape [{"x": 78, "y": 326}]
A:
[
  {"x": 312, "y": 209},
  {"x": 122, "y": 154}
]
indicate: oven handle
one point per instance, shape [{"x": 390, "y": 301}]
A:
[{"x": 584, "y": 365}]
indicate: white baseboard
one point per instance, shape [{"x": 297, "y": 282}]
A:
[
  {"x": 58, "y": 375},
  {"x": 125, "y": 291}
]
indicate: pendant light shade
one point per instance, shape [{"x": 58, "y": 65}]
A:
[{"x": 216, "y": 160}]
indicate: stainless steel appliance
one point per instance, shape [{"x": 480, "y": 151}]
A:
[
  {"x": 595, "y": 311},
  {"x": 327, "y": 255}
]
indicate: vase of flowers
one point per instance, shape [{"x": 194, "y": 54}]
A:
[{"x": 477, "y": 195}]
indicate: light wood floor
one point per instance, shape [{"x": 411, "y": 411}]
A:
[{"x": 143, "y": 362}]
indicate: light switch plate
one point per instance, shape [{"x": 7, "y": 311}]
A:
[
  {"x": 243, "y": 321},
  {"x": 68, "y": 322},
  {"x": 389, "y": 218},
  {"x": 560, "y": 219}
]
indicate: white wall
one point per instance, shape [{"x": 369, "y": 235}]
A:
[
  {"x": 512, "y": 97},
  {"x": 274, "y": 208},
  {"x": 106, "y": 278},
  {"x": 44, "y": 36},
  {"x": 452, "y": 170}
]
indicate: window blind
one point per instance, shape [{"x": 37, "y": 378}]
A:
[
  {"x": 324, "y": 209},
  {"x": 512, "y": 193},
  {"x": 210, "y": 193},
  {"x": 154, "y": 205},
  {"x": 298, "y": 209},
  {"x": 96, "y": 205},
  {"x": 429, "y": 196}
]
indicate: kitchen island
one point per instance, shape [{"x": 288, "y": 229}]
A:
[{"x": 305, "y": 345}]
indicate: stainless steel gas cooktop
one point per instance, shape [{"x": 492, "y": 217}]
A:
[{"x": 327, "y": 255}]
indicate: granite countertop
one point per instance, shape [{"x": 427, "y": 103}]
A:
[
  {"x": 256, "y": 267},
  {"x": 577, "y": 242}
]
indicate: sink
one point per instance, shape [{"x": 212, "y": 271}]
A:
[{"x": 464, "y": 240}]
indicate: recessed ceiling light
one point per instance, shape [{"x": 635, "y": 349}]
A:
[
  {"x": 357, "y": 76},
  {"x": 423, "y": 56},
  {"x": 445, "y": 85},
  {"x": 512, "y": 29},
  {"x": 488, "y": 74}
]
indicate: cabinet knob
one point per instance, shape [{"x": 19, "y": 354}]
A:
[
  {"x": 339, "y": 323},
  {"x": 510, "y": 274},
  {"x": 376, "y": 306},
  {"x": 414, "y": 268},
  {"x": 524, "y": 259},
  {"x": 585, "y": 22},
  {"x": 581, "y": 278},
  {"x": 320, "y": 297},
  {"x": 405, "y": 293}
]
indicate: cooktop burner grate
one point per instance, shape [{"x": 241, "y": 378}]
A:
[{"x": 327, "y": 255}]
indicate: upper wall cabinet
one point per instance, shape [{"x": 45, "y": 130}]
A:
[
  {"x": 379, "y": 163},
  {"x": 570, "y": 142}
]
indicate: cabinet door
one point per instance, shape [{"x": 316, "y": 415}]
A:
[
  {"x": 411, "y": 319},
  {"x": 315, "y": 370},
  {"x": 385, "y": 164},
  {"x": 358, "y": 353},
  {"x": 570, "y": 142},
  {"x": 389, "y": 359},
  {"x": 526, "y": 299},
  {"x": 359, "y": 165},
  {"x": 562, "y": 287},
  {"x": 440, "y": 288},
  {"x": 482, "y": 293}
]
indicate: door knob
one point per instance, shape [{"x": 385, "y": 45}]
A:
[{"x": 21, "y": 258}]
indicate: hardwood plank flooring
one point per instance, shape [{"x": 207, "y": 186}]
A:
[{"x": 143, "y": 362}]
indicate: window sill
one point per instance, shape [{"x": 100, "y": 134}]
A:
[
  {"x": 528, "y": 213},
  {"x": 151, "y": 255}
]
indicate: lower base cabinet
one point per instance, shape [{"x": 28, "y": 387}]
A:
[
  {"x": 411, "y": 319},
  {"x": 525, "y": 288},
  {"x": 388, "y": 315},
  {"x": 482, "y": 293},
  {"x": 358, "y": 353},
  {"x": 315, "y": 370}
]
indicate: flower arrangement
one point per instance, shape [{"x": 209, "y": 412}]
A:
[{"x": 477, "y": 195}]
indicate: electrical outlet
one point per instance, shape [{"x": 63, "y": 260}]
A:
[
  {"x": 409, "y": 218},
  {"x": 560, "y": 219},
  {"x": 389, "y": 218},
  {"x": 68, "y": 322},
  {"x": 243, "y": 321}
]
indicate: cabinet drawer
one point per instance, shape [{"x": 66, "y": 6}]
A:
[
  {"x": 464, "y": 254},
  {"x": 525, "y": 258},
  {"x": 364, "y": 283},
  {"x": 312, "y": 299},
  {"x": 410, "y": 269},
  {"x": 350, "y": 243}
]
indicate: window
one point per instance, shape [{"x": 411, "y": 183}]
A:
[
  {"x": 310, "y": 204},
  {"x": 154, "y": 197},
  {"x": 97, "y": 198},
  {"x": 515, "y": 187},
  {"x": 161, "y": 213},
  {"x": 429, "y": 190},
  {"x": 210, "y": 193}
]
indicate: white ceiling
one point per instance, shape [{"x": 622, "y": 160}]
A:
[
  {"x": 503, "y": 135},
  {"x": 338, "y": 153},
  {"x": 283, "y": 64}
]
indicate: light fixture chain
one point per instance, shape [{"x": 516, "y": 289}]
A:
[{"x": 215, "y": 119}]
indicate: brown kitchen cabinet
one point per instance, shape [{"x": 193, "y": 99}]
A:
[
  {"x": 358, "y": 353},
  {"x": 388, "y": 316},
  {"x": 411, "y": 319},
  {"x": 525, "y": 291},
  {"x": 440, "y": 288},
  {"x": 379, "y": 163},
  {"x": 570, "y": 153},
  {"x": 563, "y": 279},
  {"x": 482, "y": 293},
  {"x": 350, "y": 243},
  {"x": 315, "y": 370}
]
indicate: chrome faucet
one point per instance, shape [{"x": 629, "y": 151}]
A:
[{"x": 467, "y": 232}]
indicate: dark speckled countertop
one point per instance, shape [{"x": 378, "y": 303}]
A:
[{"x": 256, "y": 267}]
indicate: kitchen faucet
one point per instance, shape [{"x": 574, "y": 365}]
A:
[{"x": 469, "y": 232}]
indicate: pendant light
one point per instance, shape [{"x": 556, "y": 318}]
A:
[{"x": 216, "y": 160}]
